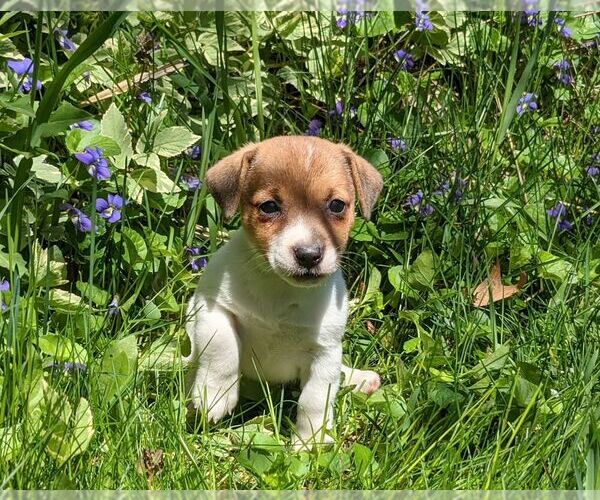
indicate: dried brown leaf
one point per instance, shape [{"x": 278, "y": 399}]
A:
[
  {"x": 125, "y": 85},
  {"x": 492, "y": 290}
]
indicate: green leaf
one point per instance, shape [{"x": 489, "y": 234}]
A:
[
  {"x": 114, "y": 127},
  {"x": 555, "y": 269},
  {"x": 172, "y": 141},
  {"x": 60, "y": 348},
  {"x": 380, "y": 24},
  {"x": 162, "y": 355},
  {"x": 64, "y": 301},
  {"x": 422, "y": 271},
  {"x": 66, "y": 114},
  {"x": 46, "y": 172},
  {"x": 95, "y": 294},
  {"x": 73, "y": 438},
  {"x": 117, "y": 368},
  {"x": 151, "y": 311},
  {"x": 136, "y": 250},
  {"x": 155, "y": 181}
]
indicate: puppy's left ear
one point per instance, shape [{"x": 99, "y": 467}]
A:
[{"x": 368, "y": 182}]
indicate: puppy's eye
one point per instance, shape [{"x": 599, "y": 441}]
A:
[
  {"x": 270, "y": 207},
  {"x": 336, "y": 206}
]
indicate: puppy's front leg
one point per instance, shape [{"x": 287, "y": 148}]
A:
[
  {"x": 212, "y": 380},
  {"x": 315, "y": 405}
]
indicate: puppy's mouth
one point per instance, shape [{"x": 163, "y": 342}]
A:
[{"x": 304, "y": 278}]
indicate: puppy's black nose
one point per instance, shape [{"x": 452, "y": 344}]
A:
[{"x": 308, "y": 256}]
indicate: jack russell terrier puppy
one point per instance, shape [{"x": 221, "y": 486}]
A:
[{"x": 272, "y": 303}]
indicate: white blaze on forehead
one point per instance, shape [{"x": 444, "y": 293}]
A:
[{"x": 308, "y": 157}]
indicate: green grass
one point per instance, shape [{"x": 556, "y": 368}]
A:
[{"x": 500, "y": 397}]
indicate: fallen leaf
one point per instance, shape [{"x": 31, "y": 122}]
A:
[
  {"x": 492, "y": 290},
  {"x": 125, "y": 85},
  {"x": 151, "y": 462},
  {"x": 371, "y": 328}
]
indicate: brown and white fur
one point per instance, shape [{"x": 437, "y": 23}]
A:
[{"x": 272, "y": 303}]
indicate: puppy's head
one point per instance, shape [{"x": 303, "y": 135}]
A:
[{"x": 297, "y": 197}]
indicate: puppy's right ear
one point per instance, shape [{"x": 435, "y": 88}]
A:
[{"x": 225, "y": 179}]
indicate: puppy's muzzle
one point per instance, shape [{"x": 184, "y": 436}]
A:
[{"x": 308, "y": 256}]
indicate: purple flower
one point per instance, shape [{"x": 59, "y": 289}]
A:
[
  {"x": 145, "y": 96},
  {"x": 415, "y": 199},
  {"x": 563, "y": 67},
  {"x": 79, "y": 219},
  {"x": 342, "y": 22},
  {"x": 461, "y": 184},
  {"x": 592, "y": 171},
  {"x": 21, "y": 67},
  {"x": 588, "y": 219},
  {"x": 527, "y": 103},
  {"x": 194, "y": 258},
  {"x": 558, "y": 211},
  {"x": 3, "y": 306},
  {"x": 563, "y": 29},
  {"x": 84, "y": 125},
  {"x": 110, "y": 209},
  {"x": 564, "y": 225},
  {"x": 427, "y": 210},
  {"x": 405, "y": 59},
  {"x": 93, "y": 158},
  {"x": 398, "y": 144},
  {"x": 4, "y": 285},
  {"x": 68, "y": 367},
  {"x": 191, "y": 182},
  {"x": 443, "y": 189},
  {"x": 422, "y": 22},
  {"x": 531, "y": 14},
  {"x": 338, "y": 110},
  {"x": 27, "y": 85},
  {"x": 194, "y": 152},
  {"x": 314, "y": 127},
  {"x": 64, "y": 41},
  {"x": 113, "y": 307}
]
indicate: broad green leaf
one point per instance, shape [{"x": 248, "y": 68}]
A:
[
  {"x": 155, "y": 181},
  {"x": 172, "y": 141},
  {"x": 114, "y": 127},
  {"x": 64, "y": 301},
  {"x": 555, "y": 269},
  {"x": 46, "y": 172},
  {"x": 74, "y": 438},
  {"x": 151, "y": 311},
  {"x": 66, "y": 114},
  {"x": 162, "y": 355},
  {"x": 117, "y": 368},
  {"x": 95, "y": 294},
  {"x": 422, "y": 271},
  {"x": 136, "y": 250},
  {"x": 61, "y": 348},
  {"x": 48, "y": 272}
]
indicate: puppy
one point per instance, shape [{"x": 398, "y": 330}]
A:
[{"x": 272, "y": 303}]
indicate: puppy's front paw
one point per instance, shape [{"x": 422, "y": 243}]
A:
[
  {"x": 214, "y": 404},
  {"x": 366, "y": 381}
]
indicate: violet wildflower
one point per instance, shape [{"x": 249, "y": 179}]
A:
[
  {"x": 93, "y": 158},
  {"x": 79, "y": 219},
  {"x": 338, "y": 110},
  {"x": 113, "y": 307},
  {"x": 195, "y": 259},
  {"x": 443, "y": 189},
  {"x": 592, "y": 171},
  {"x": 415, "y": 199},
  {"x": 342, "y": 22},
  {"x": 4, "y": 287},
  {"x": 84, "y": 125},
  {"x": 563, "y": 29},
  {"x": 405, "y": 59},
  {"x": 194, "y": 152},
  {"x": 22, "y": 67},
  {"x": 557, "y": 211},
  {"x": 191, "y": 182},
  {"x": 461, "y": 184},
  {"x": 110, "y": 209},
  {"x": 426, "y": 210},
  {"x": 564, "y": 225},
  {"x": 314, "y": 127},
  {"x": 398, "y": 144},
  {"x": 527, "y": 103},
  {"x": 422, "y": 22},
  {"x": 563, "y": 67},
  {"x": 27, "y": 85},
  {"x": 64, "y": 41},
  {"x": 531, "y": 14},
  {"x": 145, "y": 96},
  {"x": 68, "y": 367}
]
